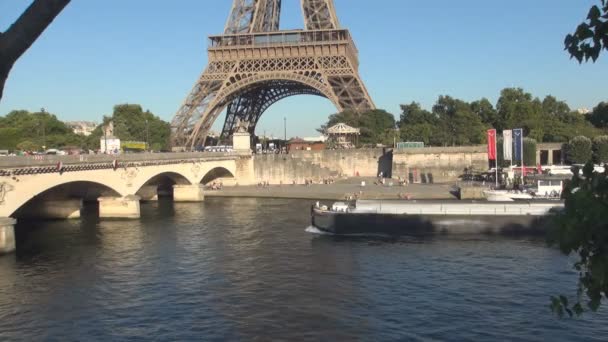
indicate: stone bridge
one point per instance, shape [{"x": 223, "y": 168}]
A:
[{"x": 54, "y": 187}]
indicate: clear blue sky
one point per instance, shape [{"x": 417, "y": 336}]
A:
[{"x": 99, "y": 53}]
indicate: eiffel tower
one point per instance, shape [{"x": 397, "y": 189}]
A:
[{"x": 253, "y": 65}]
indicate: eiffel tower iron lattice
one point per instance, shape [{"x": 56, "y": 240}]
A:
[{"x": 254, "y": 64}]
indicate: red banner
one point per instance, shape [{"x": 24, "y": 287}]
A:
[{"x": 492, "y": 144}]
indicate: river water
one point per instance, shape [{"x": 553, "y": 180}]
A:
[{"x": 245, "y": 269}]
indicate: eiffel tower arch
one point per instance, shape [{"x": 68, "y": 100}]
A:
[{"x": 254, "y": 64}]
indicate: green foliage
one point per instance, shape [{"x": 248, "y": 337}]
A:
[
  {"x": 600, "y": 149},
  {"x": 457, "y": 120},
  {"x": 591, "y": 36},
  {"x": 529, "y": 152},
  {"x": 599, "y": 115},
  {"x": 130, "y": 123},
  {"x": 518, "y": 109},
  {"x": 40, "y": 129},
  {"x": 579, "y": 150},
  {"x": 377, "y": 126},
  {"x": 452, "y": 122},
  {"x": 581, "y": 229},
  {"x": 417, "y": 124},
  {"x": 27, "y": 145},
  {"x": 486, "y": 112}
]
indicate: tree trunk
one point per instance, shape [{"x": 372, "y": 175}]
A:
[{"x": 22, "y": 34}]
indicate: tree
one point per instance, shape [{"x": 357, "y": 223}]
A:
[
  {"x": 518, "y": 109},
  {"x": 581, "y": 229},
  {"x": 600, "y": 149},
  {"x": 579, "y": 150},
  {"x": 420, "y": 125},
  {"x": 22, "y": 34},
  {"x": 132, "y": 123},
  {"x": 599, "y": 115},
  {"x": 462, "y": 126},
  {"x": 41, "y": 128},
  {"x": 486, "y": 112},
  {"x": 591, "y": 36},
  {"x": 28, "y": 146}
]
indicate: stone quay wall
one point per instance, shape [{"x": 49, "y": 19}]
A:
[
  {"x": 424, "y": 165},
  {"x": 287, "y": 168},
  {"x": 351, "y": 162},
  {"x": 438, "y": 164}
]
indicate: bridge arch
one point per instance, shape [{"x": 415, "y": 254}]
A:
[
  {"x": 60, "y": 199},
  {"x": 160, "y": 184},
  {"x": 217, "y": 173}
]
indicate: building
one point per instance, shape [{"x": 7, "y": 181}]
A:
[
  {"x": 299, "y": 144},
  {"x": 82, "y": 127},
  {"x": 583, "y": 111}
]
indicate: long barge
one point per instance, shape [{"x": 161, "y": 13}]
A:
[{"x": 434, "y": 218}]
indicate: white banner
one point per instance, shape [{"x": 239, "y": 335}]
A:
[{"x": 507, "y": 144}]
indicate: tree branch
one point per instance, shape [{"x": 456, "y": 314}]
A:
[{"x": 24, "y": 32}]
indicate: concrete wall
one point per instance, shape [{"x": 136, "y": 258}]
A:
[
  {"x": 438, "y": 164},
  {"x": 287, "y": 168},
  {"x": 365, "y": 162},
  {"x": 435, "y": 164}
]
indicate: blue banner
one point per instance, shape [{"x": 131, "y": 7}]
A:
[{"x": 518, "y": 143}]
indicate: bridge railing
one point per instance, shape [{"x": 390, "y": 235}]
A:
[{"x": 48, "y": 160}]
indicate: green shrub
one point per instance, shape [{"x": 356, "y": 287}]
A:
[
  {"x": 579, "y": 150},
  {"x": 600, "y": 149}
]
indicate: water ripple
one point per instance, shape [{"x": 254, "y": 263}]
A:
[{"x": 246, "y": 269}]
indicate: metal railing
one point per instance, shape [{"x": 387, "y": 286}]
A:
[{"x": 49, "y": 160}]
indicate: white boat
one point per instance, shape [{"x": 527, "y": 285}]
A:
[
  {"x": 547, "y": 188},
  {"x": 507, "y": 195}
]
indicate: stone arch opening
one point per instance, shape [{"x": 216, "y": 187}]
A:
[
  {"x": 64, "y": 200},
  {"x": 218, "y": 175},
  {"x": 161, "y": 185}
]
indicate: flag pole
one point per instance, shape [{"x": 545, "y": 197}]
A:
[
  {"x": 523, "y": 168},
  {"x": 496, "y": 155}
]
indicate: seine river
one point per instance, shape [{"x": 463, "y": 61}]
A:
[{"x": 245, "y": 269}]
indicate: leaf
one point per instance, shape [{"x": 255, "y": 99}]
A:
[{"x": 594, "y": 14}]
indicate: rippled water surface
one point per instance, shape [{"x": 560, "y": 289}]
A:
[{"x": 243, "y": 269}]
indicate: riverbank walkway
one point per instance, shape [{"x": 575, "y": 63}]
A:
[{"x": 340, "y": 190}]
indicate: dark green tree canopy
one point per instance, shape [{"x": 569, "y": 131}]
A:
[
  {"x": 38, "y": 129},
  {"x": 599, "y": 115},
  {"x": 579, "y": 150},
  {"x": 132, "y": 123},
  {"x": 591, "y": 36}
]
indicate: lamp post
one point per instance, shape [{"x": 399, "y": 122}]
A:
[
  {"x": 285, "y": 132},
  {"x": 43, "y": 129}
]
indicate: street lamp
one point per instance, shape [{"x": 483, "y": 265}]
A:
[{"x": 43, "y": 129}]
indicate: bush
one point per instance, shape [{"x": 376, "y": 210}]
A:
[
  {"x": 579, "y": 150},
  {"x": 27, "y": 145},
  {"x": 600, "y": 149},
  {"x": 530, "y": 152}
]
